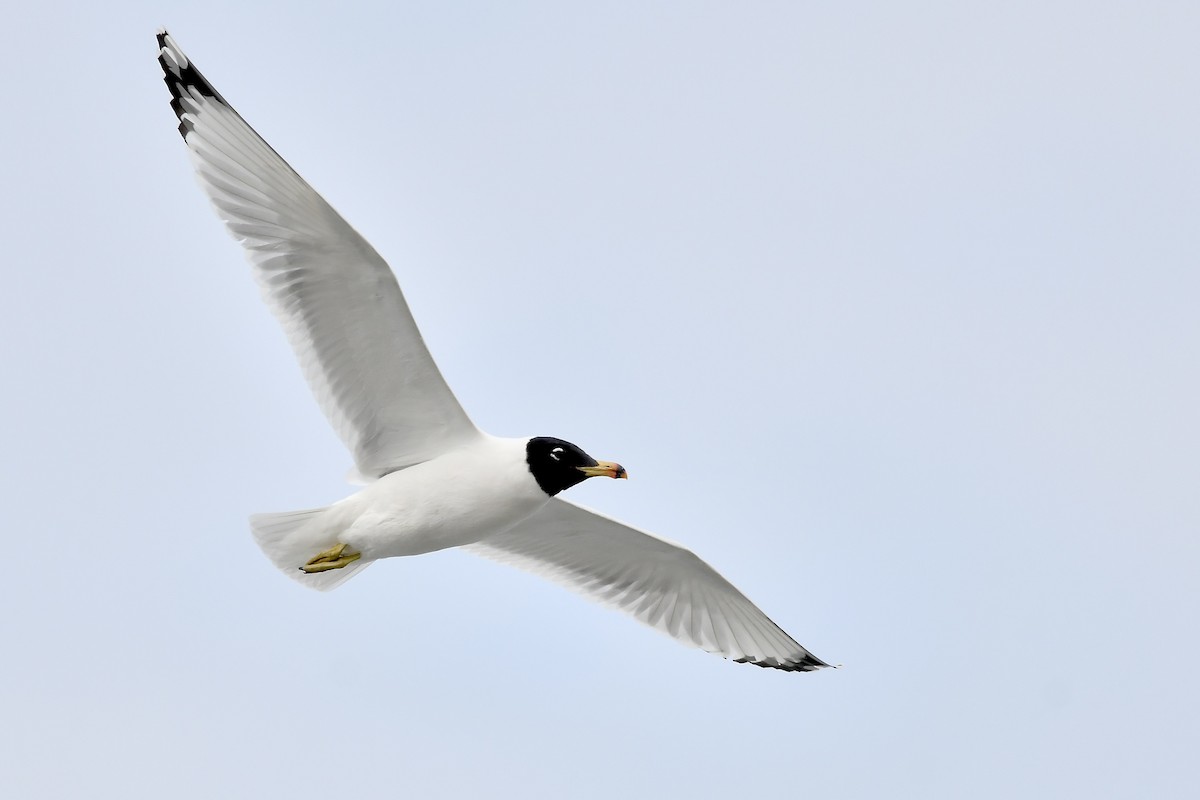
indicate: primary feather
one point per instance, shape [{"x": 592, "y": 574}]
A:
[
  {"x": 336, "y": 298},
  {"x": 662, "y": 584}
]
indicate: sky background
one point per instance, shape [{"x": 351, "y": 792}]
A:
[{"x": 890, "y": 309}]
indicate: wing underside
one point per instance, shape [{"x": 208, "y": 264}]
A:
[
  {"x": 336, "y": 298},
  {"x": 662, "y": 584}
]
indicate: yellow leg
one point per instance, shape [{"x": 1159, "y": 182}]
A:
[{"x": 335, "y": 557}]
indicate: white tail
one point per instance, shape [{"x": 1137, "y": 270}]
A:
[{"x": 290, "y": 541}]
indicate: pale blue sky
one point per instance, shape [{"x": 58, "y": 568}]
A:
[{"x": 889, "y": 309}]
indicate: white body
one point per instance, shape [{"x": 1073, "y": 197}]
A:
[
  {"x": 458, "y": 498},
  {"x": 472, "y": 493}
]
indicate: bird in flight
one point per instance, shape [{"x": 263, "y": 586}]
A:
[{"x": 434, "y": 480}]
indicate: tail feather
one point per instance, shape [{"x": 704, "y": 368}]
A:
[{"x": 289, "y": 540}]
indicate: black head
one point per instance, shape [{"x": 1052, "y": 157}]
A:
[{"x": 557, "y": 465}]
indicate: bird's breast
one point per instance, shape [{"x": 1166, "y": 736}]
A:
[{"x": 457, "y": 499}]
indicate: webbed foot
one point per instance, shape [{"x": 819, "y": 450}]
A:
[{"x": 335, "y": 557}]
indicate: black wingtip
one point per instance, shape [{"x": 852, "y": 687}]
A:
[
  {"x": 809, "y": 663},
  {"x": 182, "y": 78},
  {"x": 806, "y": 663}
]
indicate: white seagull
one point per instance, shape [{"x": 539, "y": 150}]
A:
[{"x": 434, "y": 479}]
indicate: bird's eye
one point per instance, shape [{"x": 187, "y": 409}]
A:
[{"x": 554, "y": 453}]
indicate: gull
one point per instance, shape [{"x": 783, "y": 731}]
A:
[{"x": 434, "y": 480}]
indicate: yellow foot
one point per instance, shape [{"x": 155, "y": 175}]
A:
[{"x": 335, "y": 557}]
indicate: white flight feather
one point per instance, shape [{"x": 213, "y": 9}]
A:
[
  {"x": 660, "y": 583},
  {"x": 336, "y": 298}
]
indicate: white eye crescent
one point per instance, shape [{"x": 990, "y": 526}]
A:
[{"x": 554, "y": 453}]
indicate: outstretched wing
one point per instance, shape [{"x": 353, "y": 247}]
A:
[
  {"x": 660, "y": 583},
  {"x": 337, "y": 300}
]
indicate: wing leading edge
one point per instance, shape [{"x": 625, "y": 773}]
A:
[
  {"x": 336, "y": 298},
  {"x": 662, "y": 584}
]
